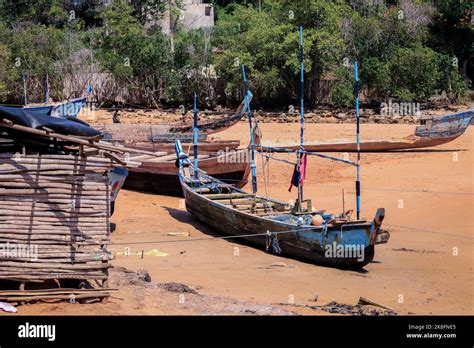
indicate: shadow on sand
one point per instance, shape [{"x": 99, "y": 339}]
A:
[{"x": 185, "y": 217}]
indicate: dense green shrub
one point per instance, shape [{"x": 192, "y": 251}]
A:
[{"x": 414, "y": 73}]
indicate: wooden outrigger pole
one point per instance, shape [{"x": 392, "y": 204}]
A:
[
  {"x": 356, "y": 78},
  {"x": 195, "y": 139},
  {"x": 300, "y": 153},
  {"x": 252, "y": 138}
]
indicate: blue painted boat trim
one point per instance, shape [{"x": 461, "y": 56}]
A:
[{"x": 70, "y": 108}]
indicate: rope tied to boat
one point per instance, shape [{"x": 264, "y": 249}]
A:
[{"x": 272, "y": 241}]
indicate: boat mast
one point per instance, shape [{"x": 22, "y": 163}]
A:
[
  {"x": 252, "y": 140},
  {"x": 25, "y": 98},
  {"x": 195, "y": 139},
  {"x": 356, "y": 78},
  {"x": 46, "y": 90},
  {"x": 300, "y": 153}
]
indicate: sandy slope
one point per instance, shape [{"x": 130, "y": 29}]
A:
[{"x": 437, "y": 195}]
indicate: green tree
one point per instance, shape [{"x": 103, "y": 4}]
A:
[
  {"x": 415, "y": 73},
  {"x": 247, "y": 36},
  {"x": 137, "y": 60},
  {"x": 453, "y": 32},
  {"x": 146, "y": 10},
  {"x": 343, "y": 91},
  {"x": 450, "y": 81},
  {"x": 46, "y": 12},
  {"x": 266, "y": 42},
  {"x": 35, "y": 51},
  {"x": 192, "y": 68},
  {"x": 7, "y": 74}
]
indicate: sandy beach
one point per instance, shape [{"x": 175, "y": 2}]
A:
[{"x": 426, "y": 268}]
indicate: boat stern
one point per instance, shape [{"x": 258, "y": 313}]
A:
[{"x": 379, "y": 235}]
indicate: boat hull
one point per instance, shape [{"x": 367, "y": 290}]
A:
[
  {"x": 210, "y": 127},
  {"x": 206, "y": 146},
  {"x": 437, "y": 131},
  {"x": 162, "y": 132},
  {"x": 162, "y": 177},
  {"x": 168, "y": 184},
  {"x": 377, "y": 146},
  {"x": 66, "y": 109},
  {"x": 308, "y": 245}
]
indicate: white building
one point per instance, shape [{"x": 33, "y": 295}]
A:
[
  {"x": 197, "y": 14},
  {"x": 194, "y": 14}
]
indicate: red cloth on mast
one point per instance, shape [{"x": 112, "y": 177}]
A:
[{"x": 299, "y": 172}]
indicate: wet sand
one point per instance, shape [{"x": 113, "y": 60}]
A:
[{"x": 419, "y": 272}]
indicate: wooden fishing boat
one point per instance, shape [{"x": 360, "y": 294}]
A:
[
  {"x": 162, "y": 133},
  {"x": 158, "y": 174},
  {"x": 166, "y": 132},
  {"x": 210, "y": 127},
  {"x": 64, "y": 109},
  {"x": 144, "y": 133},
  {"x": 433, "y": 131},
  {"x": 156, "y": 138},
  {"x": 292, "y": 231},
  {"x": 234, "y": 212},
  {"x": 68, "y": 109}
]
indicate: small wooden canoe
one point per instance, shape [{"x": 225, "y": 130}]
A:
[
  {"x": 162, "y": 133},
  {"x": 167, "y": 132},
  {"x": 433, "y": 131},
  {"x": 271, "y": 224}
]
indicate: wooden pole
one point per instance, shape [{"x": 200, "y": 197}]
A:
[
  {"x": 252, "y": 138},
  {"x": 195, "y": 139},
  {"x": 300, "y": 154},
  {"x": 356, "y": 78}
]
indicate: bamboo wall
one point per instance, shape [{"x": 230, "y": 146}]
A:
[{"x": 58, "y": 207}]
